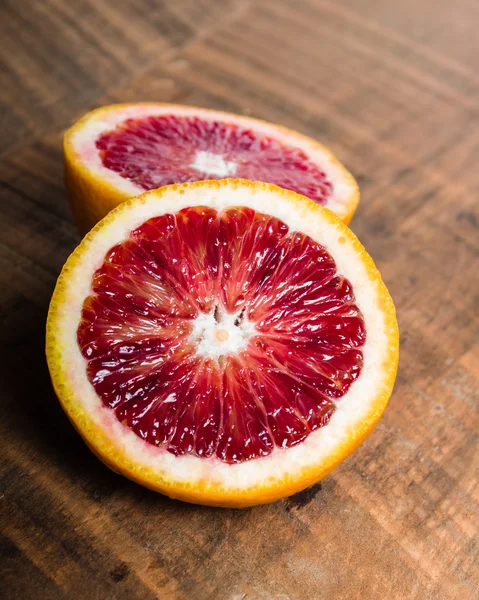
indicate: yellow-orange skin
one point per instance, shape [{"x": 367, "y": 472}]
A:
[
  {"x": 97, "y": 440},
  {"x": 92, "y": 197}
]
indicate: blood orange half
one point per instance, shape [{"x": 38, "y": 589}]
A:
[
  {"x": 119, "y": 151},
  {"x": 222, "y": 342}
]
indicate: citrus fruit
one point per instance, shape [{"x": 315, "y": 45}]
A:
[
  {"x": 119, "y": 151},
  {"x": 222, "y": 342}
]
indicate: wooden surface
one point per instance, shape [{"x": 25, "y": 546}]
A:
[{"x": 393, "y": 88}]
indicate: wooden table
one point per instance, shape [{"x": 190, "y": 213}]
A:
[{"x": 393, "y": 88}]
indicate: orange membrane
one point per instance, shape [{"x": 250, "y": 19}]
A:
[{"x": 221, "y": 334}]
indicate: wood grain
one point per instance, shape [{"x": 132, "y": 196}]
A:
[
  {"x": 61, "y": 56},
  {"x": 393, "y": 89}
]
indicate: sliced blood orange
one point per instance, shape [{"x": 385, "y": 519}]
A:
[
  {"x": 119, "y": 151},
  {"x": 222, "y": 342}
]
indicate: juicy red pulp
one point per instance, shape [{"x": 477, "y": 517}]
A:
[
  {"x": 142, "y": 360},
  {"x": 159, "y": 150}
]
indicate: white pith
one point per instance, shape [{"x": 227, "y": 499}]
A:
[
  {"x": 84, "y": 142},
  {"x": 210, "y": 163},
  {"x": 281, "y": 464},
  {"x": 220, "y": 335}
]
